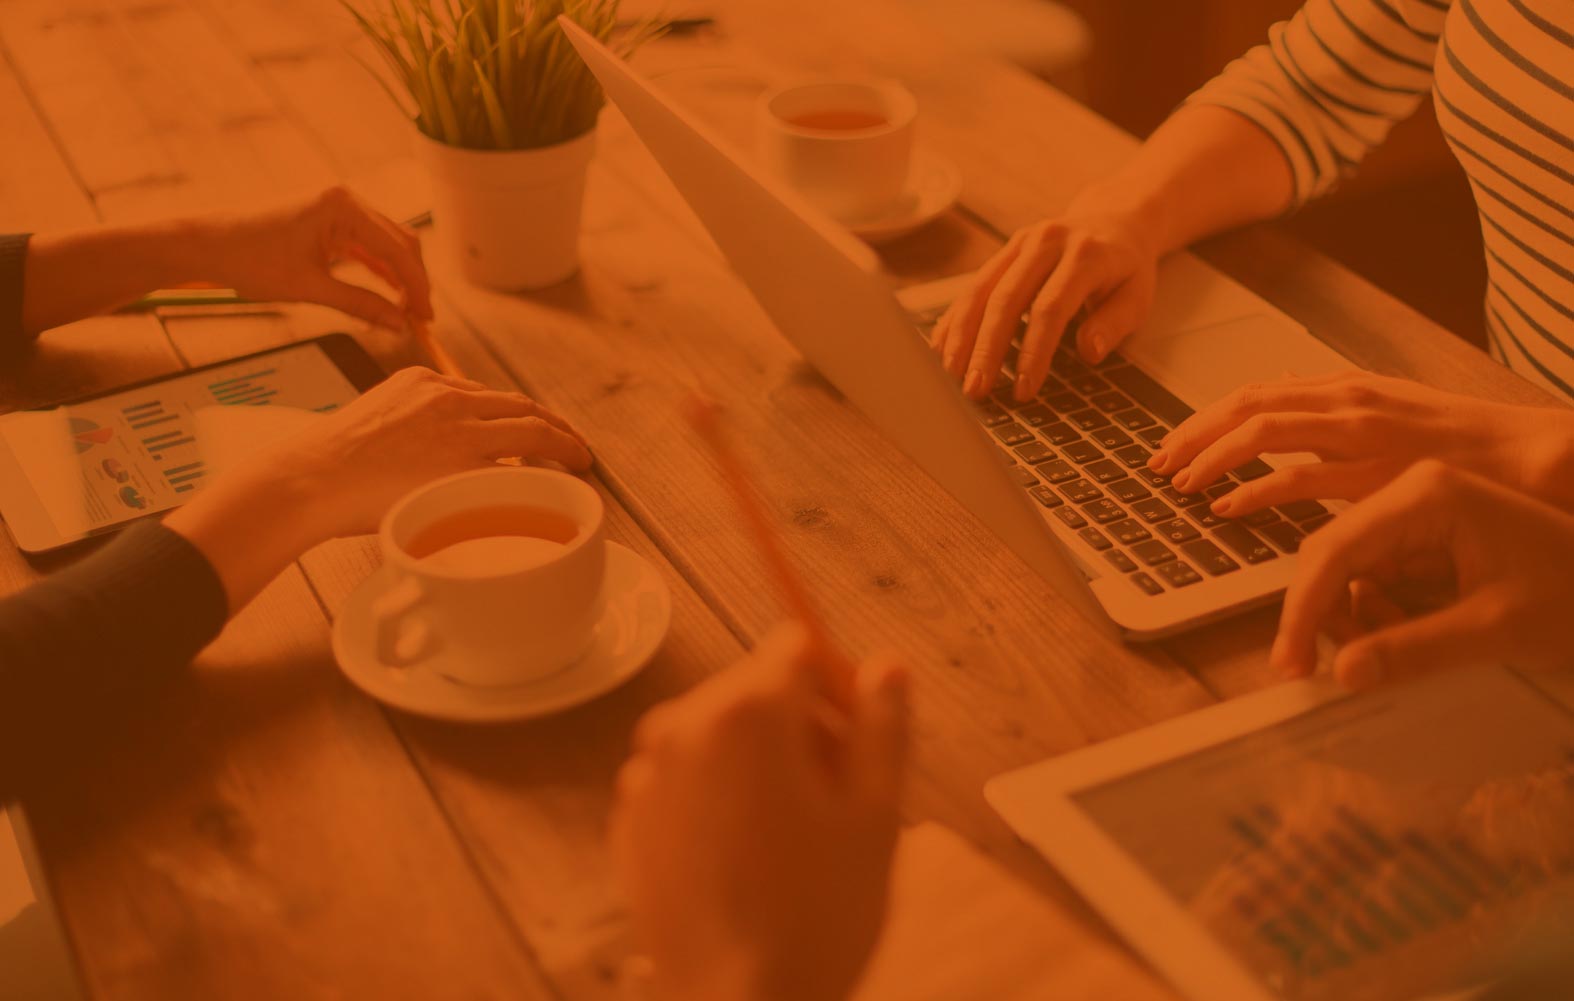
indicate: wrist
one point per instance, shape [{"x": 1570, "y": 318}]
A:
[{"x": 250, "y": 525}]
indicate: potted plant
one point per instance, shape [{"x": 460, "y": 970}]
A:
[{"x": 506, "y": 114}]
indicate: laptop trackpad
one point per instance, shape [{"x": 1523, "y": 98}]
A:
[{"x": 1204, "y": 363}]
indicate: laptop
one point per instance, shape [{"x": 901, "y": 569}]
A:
[{"x": 1062, "y": 480}]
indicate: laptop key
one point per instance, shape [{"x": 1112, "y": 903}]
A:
[
  {"x": 1013, "y": 433},
  {"x": 1311, "y": 526},
  {"x": 1111, "y": 402},
  {"x": 1071, "y": 516},
  {"x": 1302, "y": 510},
  {"x": 1135, "y": 419},
  {"x": 1283, "y": 535},
  {"x": 1059, "y": 433},
  {"x": 1105, "y": 471},
  {"x": 1146, "y": 584},
  {"x": 1252, "y": 469},
  {"x": 1204, "y": 516},
  {"x": 1134, "y": 456},
  {"x": 1176, "y": 530},
  {"x": 1120, "y": 561},
  {"x": 1129, "y": 490},
  {"x": 1151, "y": 478},
  {"x": 1213, "y": 560},
  {"x": 1153, "y": 552},
  {"x": 1082, "y": 452},
  {"x": 1065, "y": 402},
  {"x": 992, "y": 416},
  {"x": 1152, "y": 436},
  {"x": 1006, "y": 458},
  {"x": 1088, "y": 419},
  {"x": 1220, "y": 489},
  {"x": 1088, "y": 384},
  {"x": 1051, "y": 387},
  {"x": 1182, "y": 500},
  {"x": 1080, "y": 491},
  {"x": 1023, "y": 476},
  {"x": 1058, "y": 471},
  {"x": 1129, "y": 532},
  {"x": 1153, "y": 510},
  {"x": 1094, "y": 538},
  {"x": 1035, "y": 415},
  {"x": 1257, "y": 519},
  {"x": 1065, "y": 365},
  {"x": 1035, "y": 452},
  {"x": 1103, "y": 511},
  {"x": 1045, "y": 496},
  {"x": 1243, "y": 543},
  {"x": 1111, "y": 437},
  {"x": 1178, "y": 573},
  {"x": 1157, "y": 400}
]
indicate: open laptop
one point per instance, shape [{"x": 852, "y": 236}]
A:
[{"x": 1063, "y": 481}]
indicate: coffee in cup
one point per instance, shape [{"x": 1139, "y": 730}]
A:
[
  {"x": 497, "y": 571},
  {"x": 845, "y": 146}
]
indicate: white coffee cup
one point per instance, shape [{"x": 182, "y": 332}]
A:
[
  {"x": 809, "y": 135},
  {"x": 496, "y": 611}
]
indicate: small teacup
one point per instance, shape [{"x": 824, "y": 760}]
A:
[
  {"x": 497, "y": 575},
  {"x": 847, "y": 147}
]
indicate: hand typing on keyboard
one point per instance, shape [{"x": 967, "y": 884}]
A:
[
  {"x": 1094, "y": 261},
  {"x": 1501, "y": 562},
  {"x": 1367, "y": 430}
]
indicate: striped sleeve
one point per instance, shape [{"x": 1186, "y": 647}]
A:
[{"x": 1332, "y": 81}]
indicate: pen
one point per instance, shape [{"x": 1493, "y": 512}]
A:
[{"x": 704, "y": 417}]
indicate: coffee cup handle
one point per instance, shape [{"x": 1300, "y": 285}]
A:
[{"x": 403, "y": 637}]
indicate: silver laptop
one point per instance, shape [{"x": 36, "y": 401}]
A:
[{"x": 1062, "y": 480}]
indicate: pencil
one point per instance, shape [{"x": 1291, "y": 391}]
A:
[
  {"x": 441, "y": 359},
  {"x": 838, "y": 675}
]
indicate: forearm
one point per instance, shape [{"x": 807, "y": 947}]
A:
[
  {"x": 74, "y": 275},
  {"x": 1204, "y": 171},
  {"x": 75, "y": 646}
]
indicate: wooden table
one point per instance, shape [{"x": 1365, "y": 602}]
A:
[{"x": 265, "y": 830}]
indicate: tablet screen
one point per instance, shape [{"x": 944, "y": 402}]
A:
[
  {"x": 1375, "y": 847},
  {"x": 105, "y": 461}
]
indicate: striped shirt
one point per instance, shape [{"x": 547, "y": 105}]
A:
[{"x": 1333, "y": 80}]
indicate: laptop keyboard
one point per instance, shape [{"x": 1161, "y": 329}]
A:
[{"x": 1081, "y": 449}]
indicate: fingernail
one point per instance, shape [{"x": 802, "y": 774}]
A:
[
  {"x": 974, "y": 383},
  {"x": 1222, "y": 506},
  {"x": 1159, "y": 460},
  {"x": 1181, "y": 479}
]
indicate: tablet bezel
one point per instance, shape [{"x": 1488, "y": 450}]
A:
[{"x": 31, "y": 527}]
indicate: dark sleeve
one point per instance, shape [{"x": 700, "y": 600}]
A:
[
  {"x": 82, "y": 640},
  {"x": 13, "y": 260}
]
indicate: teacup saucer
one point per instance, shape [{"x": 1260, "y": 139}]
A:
[
  {"x": 637, "y": 611},
  {"x": 932, "y": 188}
]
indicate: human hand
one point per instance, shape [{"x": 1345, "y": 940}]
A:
[
  {"x": 412, "y": 428},
  {"x": 1504, "y": 563},
  {"x": 1094, "y": 260},
  {"x": 1367, "y": 429},
  {"x": 340, "y": 475},
  {"x": 754, "y": 828},
  {"x": 285, "y": 254}
]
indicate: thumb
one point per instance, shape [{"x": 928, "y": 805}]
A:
[
  {"x": 358, "y": 302},
  {"x": 1111, "y": 322},
  {"x": 1464, "y": 633},
  {"x": 878, "y": 743}
]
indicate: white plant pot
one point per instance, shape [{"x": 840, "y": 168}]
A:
[{"x": 509, "y": 218}]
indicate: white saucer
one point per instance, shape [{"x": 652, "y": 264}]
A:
[
  {"x": 933, "y": 187},
  {"x": 638, "y": 609}
]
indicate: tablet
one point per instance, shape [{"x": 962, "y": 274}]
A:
[
  {"x": 90, "y": 466},
  {"x": 1300, "y": 845}
]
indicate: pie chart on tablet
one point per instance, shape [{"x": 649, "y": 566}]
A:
[{"x": 86, "y": 433}]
